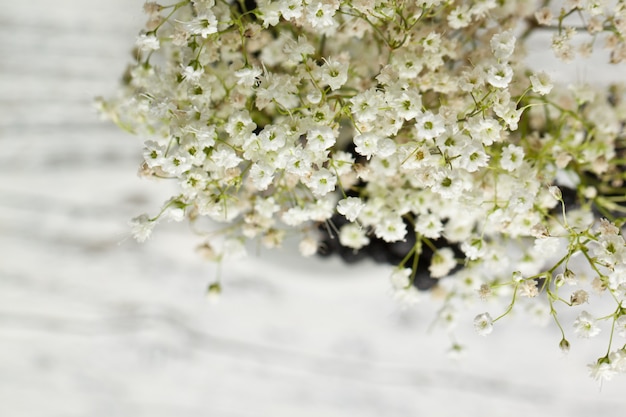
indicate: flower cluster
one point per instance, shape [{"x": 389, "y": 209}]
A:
[{"x": 396, "y": 121}]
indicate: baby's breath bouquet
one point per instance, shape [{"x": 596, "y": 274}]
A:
[{"x": 409, "y": 131}]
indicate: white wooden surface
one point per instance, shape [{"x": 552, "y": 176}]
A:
[{"x": 93, "y": 324}]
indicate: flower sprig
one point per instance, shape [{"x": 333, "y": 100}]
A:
[{"x": 416, "y": 125}]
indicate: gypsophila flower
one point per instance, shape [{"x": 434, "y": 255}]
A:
[
  {"x": 585, "y": 325},
  {"x": 429, "y": 125},
  {"x": 350, "y": 207},
  {"x": 499, "y": 75},
  {"x": 483, "y": 324},
  {"x": 601, "y": 371},
  {"x": 528, "y": 288},
  {"x": 418, "y": 135},
  {"x": 142, "y": 227},
  {"x": 442, "y": 263},
  {"x": 512, "y": 157},
  {"x": 503, "y": 44},
  {"x": 366, "y": 144},
  {"x": 541, "y": 83},
  {"x": 308, "y": 246},
  {"x": 353, "y": 236},
  {"x": 148, "y": 43},
  {"x": 400, "y": 278},
  {"x": 617, "y": 360}
]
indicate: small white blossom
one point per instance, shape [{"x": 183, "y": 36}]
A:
[
  {"x": 148, "y": 43},
  {"x": 203, "y": 25},
  {"x": 142, "y": 227},
  {"x": 499, "y": 75},
  {"x": 483, "y": 324},
  {"x": 601, "y": 371},
  {"x": 442, "y": 263},
  {"x": 321, "y": 182},
  {"x": 541, "y": 83},
  {"x": 366, "y": 144},
  {"x": 334, "y": 73},
  {"x": 390, "y": 229},
  {"x": 320, "y": 14},
  {"x": 429, "y": 125},
  {"x": 353, "y": 236},
  {"x": 308, "y": 246},
  {"x": 350, "y": 207},
  {"x": 503, "y": 44},
  {"x": 617, "y": 359},
  {"x": 512, "y": 157},
  {"x": 400, "y": 278},
  {"x": 585, "y": 326},
  {"x": 248, "y": 76}
]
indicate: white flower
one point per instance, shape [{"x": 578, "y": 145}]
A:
[
  {"x": 512, "y": 157},
  {"x": 429, "y": 225},
  {"x": 148, "y": 43},
  {"x": 400, "y": 278},
  {"x": 334, "y": 73},
  {"x": 483, "y": 324},
  {"x": 366, "y": 144},
  {"x": 321, "y": 182},
  {"x": 203, "y": 25},
  {"x": 225, "y": 157},
  {"x": 429, "y": 125},
  {"x": 601, "y": 371},
  {"x": 408, "y": 296},
  {"x": 350, "y": 207},
  {"x": 390, "y": 229},
  {"x": 353, "y": 236},
  {"x": 308, "y": 246},
  {"x": 192, "y": 74},
  {"x": 154, "y": 154},
  {"x": 472, "y": 158},
  {"x": 618, "y": 360},
  {"x": 290, "y": 9},
  {"x": 460, "y": 17},
  {"x": 320, "y": 14},
  {"x": 503, "y": 44},
  {"x": 441, "y": 263},
  {"x": 320, "y": 138},
  {"x": 486, "y": 130},
  {"x": 297, "y": 49},
  {"x": 248, "y": 76},
  {"x": 142, "y": 227},
  {"x": 175, "y": 213},
  {"x": 528, "y": 288},
  {"x": 541, "y": 83},
  {"x": 296, "y": 216},
  {"x": 499, "y": 75},
  {"x": 261, "y": 175},
  {"x": 365, "y": 105},
  {"x": 585, "y": 325}
]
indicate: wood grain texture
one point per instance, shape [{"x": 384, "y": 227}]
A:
[{"x": 93, "y": 324}]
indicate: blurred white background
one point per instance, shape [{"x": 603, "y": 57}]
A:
[{"x": 94, "y": 324}]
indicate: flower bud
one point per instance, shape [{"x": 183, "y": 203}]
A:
[
  {"x": 555, "y": 192},
  {"x": 213, "y": 292},
  {"x": 559, "y": 280},
  {"x": 564, "y": 345}
]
